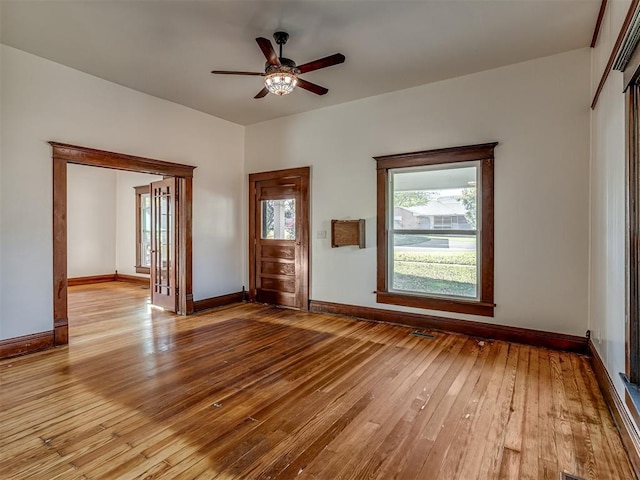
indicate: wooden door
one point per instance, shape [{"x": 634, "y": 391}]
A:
[
  {"x": 163, "y": 244},
  {"x": 279, "y": 237}
]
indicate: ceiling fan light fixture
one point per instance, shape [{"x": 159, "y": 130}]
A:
[{"x": 280, "y": 83}]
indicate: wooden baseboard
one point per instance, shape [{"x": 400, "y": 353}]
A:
[
  {"x": 621, "y": 417},
  {"x": 121, "y": 277},
  {"x": 555, "y": 341},
  {"x": 13, "y": 347},
  {"x": 110, "y": 277},
  {"x": 72, "y": 282},
  {"x": 207, "y": 303}
]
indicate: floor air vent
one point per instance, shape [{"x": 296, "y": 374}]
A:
[
  {"x": 568, "y": 476},
  {"x": 423, "y": 335}
]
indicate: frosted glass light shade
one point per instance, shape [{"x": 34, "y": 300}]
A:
[{"x": 280, "y": 83}]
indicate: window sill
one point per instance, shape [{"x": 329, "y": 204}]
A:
[
  {"x": 435, "y": 303},
  {"x": 146, "y": 270},
  {"x": 632, "y": 397}
]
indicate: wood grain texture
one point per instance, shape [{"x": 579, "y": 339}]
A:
[
  {"x": 284, "y": 288},
  {"x": 536, "y": 338},
  {"x": 59, "y": 248},
  {"x": 120, "y": 161},
  {"x": 185, "y": 239},
  {"x": 465, "y": 153},
  {"x": 23, "y": 345},
  {"x": 63, "y": 154},
  {"x": 123, "y": 277},
  {"x": 484, "y": 154},
  {"x": 348, "y": 232},
  {"x": 253, "y": 391},
  {"x": 628, "y": 432},
  {"x": 75, "y": 281},
  {"x": 219, "y": 301}
]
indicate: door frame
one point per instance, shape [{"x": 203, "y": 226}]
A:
[
  {"x": 63, "y": 154},
  {"x": 303, "y": 173}
]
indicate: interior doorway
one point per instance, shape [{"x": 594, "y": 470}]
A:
[
  {"x": 174, "y": 205},
  {"x": 279, "y": 237}
]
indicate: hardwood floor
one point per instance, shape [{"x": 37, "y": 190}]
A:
[{"x": 251, "y": 391}]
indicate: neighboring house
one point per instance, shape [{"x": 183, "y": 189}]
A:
[{"x": 442, "y": 213}]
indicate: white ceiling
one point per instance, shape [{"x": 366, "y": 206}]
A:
[{"x": 167, "y": 48}]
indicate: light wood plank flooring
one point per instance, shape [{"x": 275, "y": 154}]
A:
[{"x": 251, "y": 391}]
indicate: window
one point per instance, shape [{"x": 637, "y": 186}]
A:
[
  {"x": 279, "y": 219},
  {"x": 628, "y": 62},
  {"x": 143, "y": 229},
  {"x": 631, "y": 377},
  {"x": 435, "y": 229}
]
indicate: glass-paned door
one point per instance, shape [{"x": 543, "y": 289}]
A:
[{"x": 163, "y": 244}]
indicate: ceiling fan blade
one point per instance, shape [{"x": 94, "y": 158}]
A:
[
  {"x": 334, "y": 59},
  {"x": 312, "y": 87},
  {"x": 268, "y": 51},
  {"x": 228, "y": 72},
  {"x": 262, "y": 93}
]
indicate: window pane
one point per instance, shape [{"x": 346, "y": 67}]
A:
[
  {"x": 279, "y": 219},
  {"x": 145, "y": 230},
  {"x": 442, "y": 199},
  {"x": 435, "y": 264}
]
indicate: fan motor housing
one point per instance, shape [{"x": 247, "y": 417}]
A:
[{"x": 281, "y": 37}]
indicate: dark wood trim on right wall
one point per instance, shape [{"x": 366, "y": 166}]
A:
[
  {"x": 614, "y": 52},
  {"x": 121, "y": 277},
  {"x": 109, "y": 277},
  {"x": 596, "y": 30},
  {"x": 36, "y": 342},
  {"x": 219, "y": 301},
  {"x": 75, "y": 281},
  {"x": 537, "y": 338},
  {"x": 621, "y": 417}
]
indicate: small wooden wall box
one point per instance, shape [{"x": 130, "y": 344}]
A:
[{"x": 347, "y": 232}]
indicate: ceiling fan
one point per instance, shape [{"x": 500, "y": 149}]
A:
[{"x": 281, "y": 74}]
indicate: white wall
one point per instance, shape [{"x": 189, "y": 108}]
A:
[
  {"x": 607, "y": 204},
  {"x": 125, "y": 199},
  {"x": 538, "y": 111},
  {"x": 101, "y": 220},
  {"x": 91, "y": 221},
  {"x": 43, "y": 101}
]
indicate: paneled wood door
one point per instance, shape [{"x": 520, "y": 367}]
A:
[
  {"x": 163, "y": 244},
  {"x": 279, "y": 237}
]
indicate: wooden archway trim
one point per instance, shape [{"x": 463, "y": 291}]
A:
[{"x": 64, "y": 154}]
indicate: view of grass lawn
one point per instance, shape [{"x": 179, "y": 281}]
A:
[
  {"x": 440, "y": 273},
  {"x": 450, "y": 258}
]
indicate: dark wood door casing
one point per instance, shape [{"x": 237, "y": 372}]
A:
[
  {"x": 277, "y": 260},
  {"x": 272, "y": 185},
  {"x": 63, "y": 154}
]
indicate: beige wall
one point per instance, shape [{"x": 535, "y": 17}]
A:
[
  {"x": 101, "y": 220},
  {"x": 43, "y": 101},
  {"x": 538, "y": 111},
  {"x": 91, "y": 221}
]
